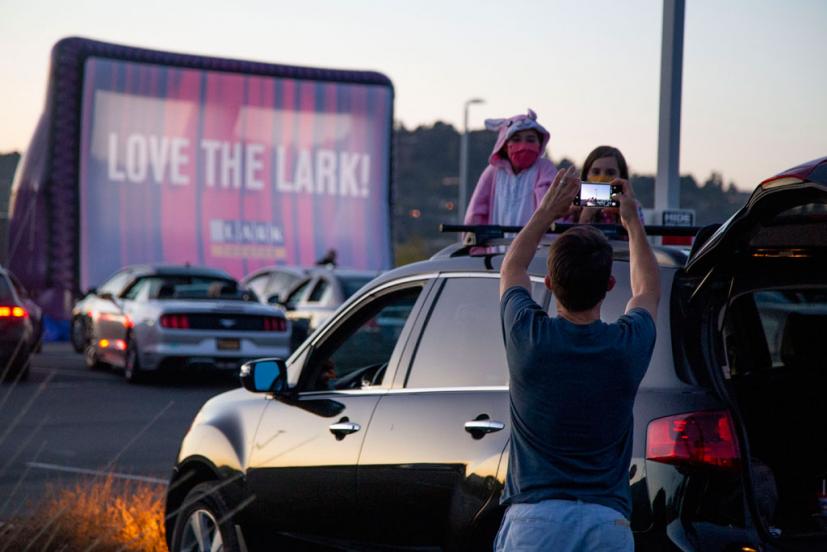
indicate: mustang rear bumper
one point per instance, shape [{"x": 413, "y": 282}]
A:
[{"x": 223, "y": 350}]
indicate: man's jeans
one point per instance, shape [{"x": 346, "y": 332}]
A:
[{"x": 563, "y": 526}]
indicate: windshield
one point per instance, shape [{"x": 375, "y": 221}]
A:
[
  {"x": 352, "y": 284},
  {"x": 794, "y": 322},
  {"x": 193, "y": 287}
]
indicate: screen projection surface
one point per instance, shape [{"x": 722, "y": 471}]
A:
[{"x": 229, "y": 170}]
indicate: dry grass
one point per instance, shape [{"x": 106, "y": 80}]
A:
[{"x": 99, "y": 515}]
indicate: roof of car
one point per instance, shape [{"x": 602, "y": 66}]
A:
[
  {"x": 169, "y": 270},
  {"x": 457, "y": 258}
]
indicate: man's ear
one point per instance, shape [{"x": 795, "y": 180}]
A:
[
  {"x": 547, "y": 281},
  {"x": 612, "y": 283}
]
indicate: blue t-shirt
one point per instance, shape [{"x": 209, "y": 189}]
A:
[{"x": 571, "y": 390}]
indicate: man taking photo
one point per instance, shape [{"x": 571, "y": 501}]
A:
[{"x": 573, "y": 380}]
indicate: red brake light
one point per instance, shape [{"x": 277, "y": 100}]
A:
[
  {"x": 13, "y": 312},
  {"x": 695, "y": 438},
  {"x": 175, "y": 321},
  {"x": 275, "y": 324}
]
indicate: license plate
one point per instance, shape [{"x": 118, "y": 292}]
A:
[{"x": 229, "y": 344}]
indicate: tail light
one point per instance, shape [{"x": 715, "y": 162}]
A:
[
  {"x": 175, "y": 321},
  {"x": 13, "y": 312},
  {"x": 275, "y": 324},
  {"x": 695, "y": 438}
]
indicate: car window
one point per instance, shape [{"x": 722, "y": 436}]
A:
[
  {"x": 184, "y": 286},
  {"x": 296, "y": 295},
  {"x": 794, "y": 322},
  {"x": 135, "y": 289},
  {"x": 259, "y": 284},
  {"x": 115, "y": 284},
  {"x": 462, "y": 344},
  {"x": 318, "y": 291},
  {"x": 357, "y": 353},
  {"x": 280, "y": 283}
]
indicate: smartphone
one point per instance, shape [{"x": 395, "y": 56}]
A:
[{"x": 597, "y": 194}]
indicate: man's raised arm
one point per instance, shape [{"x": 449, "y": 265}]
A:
[
  {"x": 643, "y": 267},
  {"x": 555, "y": 204}
]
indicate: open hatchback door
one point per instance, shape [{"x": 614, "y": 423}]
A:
[
  {"x": 786, "y": 216},
  {"x": 751, "y": 314}
]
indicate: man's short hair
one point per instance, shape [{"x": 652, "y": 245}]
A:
[{"x": 579, "y": 266}]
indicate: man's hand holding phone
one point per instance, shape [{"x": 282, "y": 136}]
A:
[
  {"x": 558, "y": 199},
  {"x": 628, "y": 203}
]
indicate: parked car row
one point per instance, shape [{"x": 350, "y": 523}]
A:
[
  {"x": 388, "y": 428},
  {"x": 149, "y": 318},
  {"x": 21, "y": 328}
]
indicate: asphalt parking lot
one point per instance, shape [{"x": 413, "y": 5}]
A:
[{"x": 66, "y": 421}]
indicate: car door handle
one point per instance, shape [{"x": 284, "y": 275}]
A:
[
  {"x": 483, "y": 426},
  {"x": 344, "y": 427}
]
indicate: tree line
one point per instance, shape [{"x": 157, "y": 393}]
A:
[{"x": 426, "y": 191}]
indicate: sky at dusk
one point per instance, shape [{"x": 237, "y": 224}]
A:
[{"x": 753, "y": 84}]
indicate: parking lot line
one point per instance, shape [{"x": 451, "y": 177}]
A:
[{"x": 85, "y": 471}]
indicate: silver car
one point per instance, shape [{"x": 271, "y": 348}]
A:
[
  {"x": 308, "y": 295},
  {"x": 183, "y": 317}
]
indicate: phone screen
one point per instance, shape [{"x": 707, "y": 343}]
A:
[{"x": 597, "y": 194}]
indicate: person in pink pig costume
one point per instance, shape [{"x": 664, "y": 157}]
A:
[{"x": 517, "y": 177}]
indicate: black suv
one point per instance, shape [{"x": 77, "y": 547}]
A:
[{"x": 389, "y": 426}]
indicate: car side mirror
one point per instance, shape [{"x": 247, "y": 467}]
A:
[
  {"x": 107, "y": 296},
  {"x": 266, "y": 375}
]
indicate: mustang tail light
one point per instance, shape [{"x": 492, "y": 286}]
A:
[
  {"x": 175, "y": 321},
  {"x": 275, "y": 324},
  {"x": 13, "y": 312},
  {"x": 696, "y": 438}
]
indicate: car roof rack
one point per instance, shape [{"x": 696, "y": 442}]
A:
[{"x": 489, "y": 235}]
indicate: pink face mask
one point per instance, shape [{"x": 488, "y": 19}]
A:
[{"x": 523, "y": 154}]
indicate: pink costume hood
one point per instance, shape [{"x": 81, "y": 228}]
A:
[
  {"x": 508, "y": 127},
  {"x": 498, "y": 179}
]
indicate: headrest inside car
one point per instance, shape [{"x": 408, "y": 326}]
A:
[{"x": 166, "y": 290}]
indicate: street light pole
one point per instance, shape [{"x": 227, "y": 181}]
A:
[
  {"x": 667, "y": 182},
  {"x": 463, "y": 159}
]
